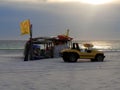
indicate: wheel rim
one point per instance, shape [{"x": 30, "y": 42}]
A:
[
  {"x": 72, "y": 58},
  {"x": 100, "y": 58}
]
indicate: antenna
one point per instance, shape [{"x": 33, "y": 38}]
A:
[{"x": 67, "y": 33}]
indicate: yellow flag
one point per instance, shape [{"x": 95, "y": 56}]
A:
[{"x": 25, "y": 27}]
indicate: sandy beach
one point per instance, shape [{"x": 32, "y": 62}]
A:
[{"x": 54, "y": 74}]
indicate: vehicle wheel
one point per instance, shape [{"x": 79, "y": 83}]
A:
[
  {"x": 65, "y": 57},
  {"x": 72, "y": 57},
  {"x": 99, "y": 58}
]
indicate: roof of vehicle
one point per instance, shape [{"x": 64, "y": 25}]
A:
[{"x": 43, "y": 40}]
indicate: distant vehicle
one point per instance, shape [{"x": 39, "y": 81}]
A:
[
  {"x": 44, "y": 47},
  {"x": 75, "y": 52},
  {"x": 38, "y": 48}
]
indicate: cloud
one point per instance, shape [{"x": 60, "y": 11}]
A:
[
  {"x": 21, "y": 1},
  {"x": 31, "y": 1},
  {"x": 51, "y": 17},
  {"x": 27, "y": 3},
  {"x": 44, "y": 1}
]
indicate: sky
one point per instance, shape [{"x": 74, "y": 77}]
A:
[{"x": 52, "y": 17}]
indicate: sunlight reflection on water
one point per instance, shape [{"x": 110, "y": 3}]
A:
[{"x": 107, "y": 45}]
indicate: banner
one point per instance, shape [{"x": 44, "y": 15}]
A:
[{"x": 25, "y": 27}]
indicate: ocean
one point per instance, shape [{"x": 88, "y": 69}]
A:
[
  {"x": 105, "y": 45},
  {"x": 12, "y": 47}
]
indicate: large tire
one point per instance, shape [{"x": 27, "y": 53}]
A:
[
  {"x": 72, "y": 57},
  {"x": 65, "y": 57},
  {"x": 99, "y": 58}
]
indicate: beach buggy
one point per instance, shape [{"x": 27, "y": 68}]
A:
[{"x": 75, "y": 52}]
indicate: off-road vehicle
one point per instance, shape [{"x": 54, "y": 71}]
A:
[
  {"x": 75, "y": 52},
  {"x": 38, "y": 48},
  {"x": 44, "y": 47}
]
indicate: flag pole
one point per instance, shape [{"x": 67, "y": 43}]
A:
[
  {"x": 31, "y": 31},
  {"x": 31, "y": 49}
]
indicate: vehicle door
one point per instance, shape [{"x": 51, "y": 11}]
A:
[{"x": 86, "y": 54}]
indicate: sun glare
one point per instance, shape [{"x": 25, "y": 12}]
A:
[{"x": 96, "y": 2}]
